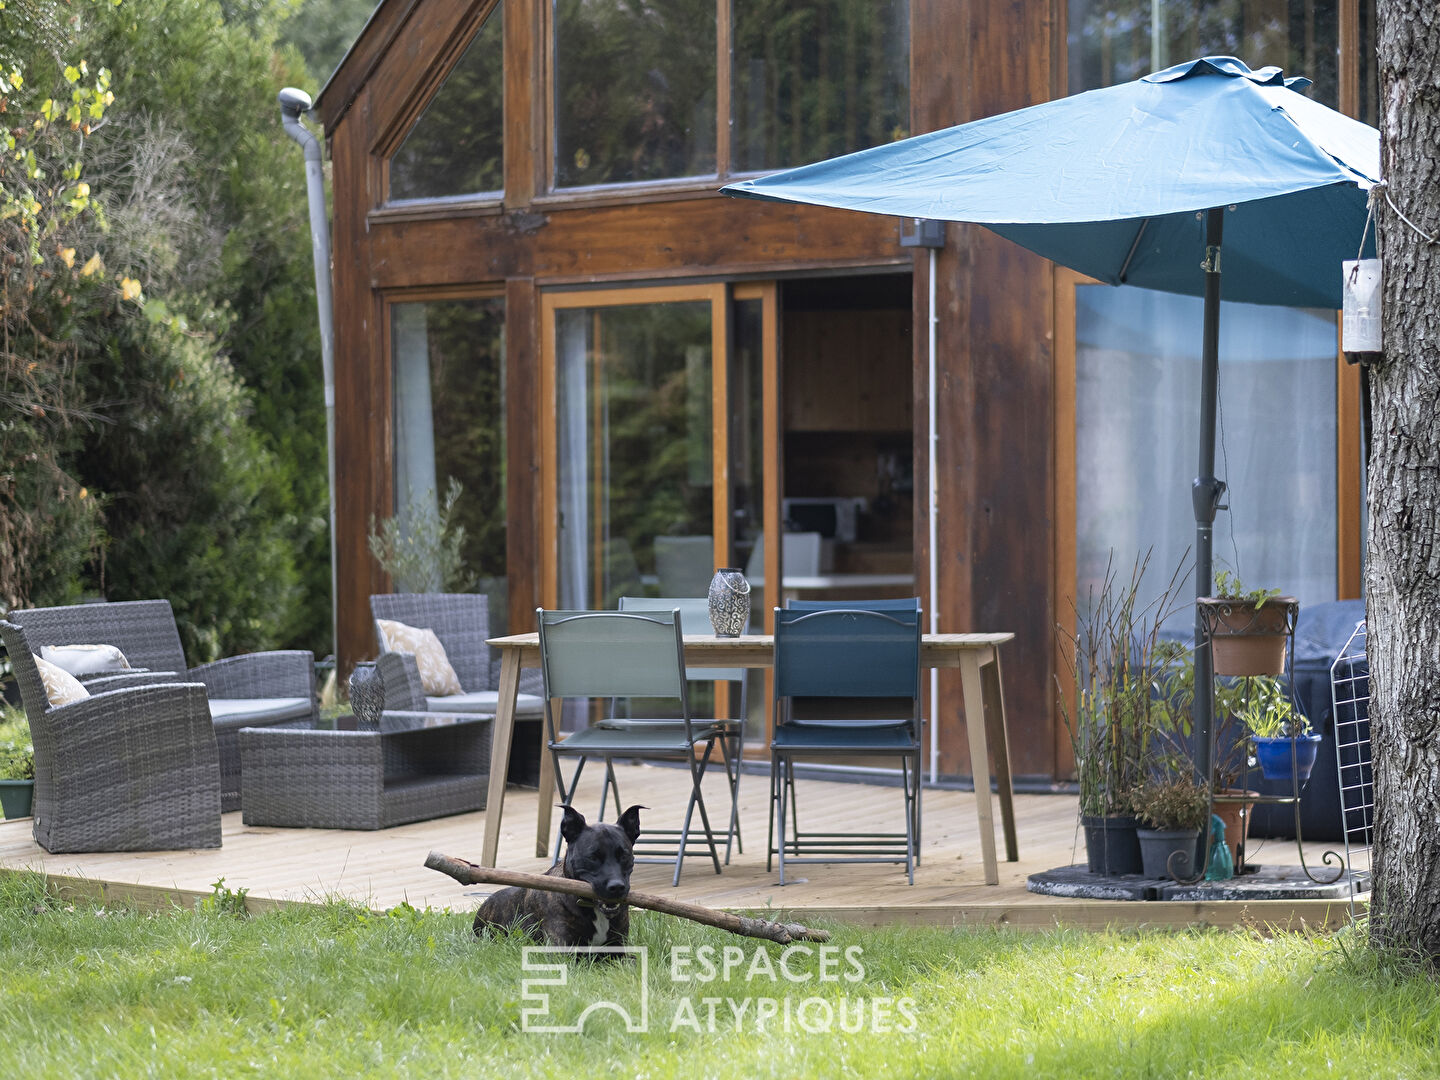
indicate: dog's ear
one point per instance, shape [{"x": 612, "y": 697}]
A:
[
  {"x": 630, "y": 822},
  {"x": 572, "y": 824}
]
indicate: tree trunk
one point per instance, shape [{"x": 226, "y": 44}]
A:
[{"x": 1403, "y": 567}]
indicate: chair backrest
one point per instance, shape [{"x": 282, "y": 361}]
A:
[
  {"x": 909, "y": 603},
  {"x": 847, "y": 653},
  {"x": 684, "y": 564},
  {"x": 694, "y": 619},
  {"x": 144, "y": 630},
  {"x": 460, "y": 620},
  {"x": 800, "y": 554},
  {"x": 609, "y": 654}
]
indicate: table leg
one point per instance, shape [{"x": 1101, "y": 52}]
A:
[
  {"x": 1000, "y": 748},
  {"x": 547, "y": 798},
  {"x": 970, "y": 685},
  {"x": 500, "y": 753}
]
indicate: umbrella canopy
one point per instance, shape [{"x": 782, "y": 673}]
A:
[
  {"x": 1138, "y": 184},
  {"x": 1110, "y": 182}
]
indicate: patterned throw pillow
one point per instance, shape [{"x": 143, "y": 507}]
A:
[
  {"x": 60, "y": 686},
  {"x": 437, "y": 677},
  {"x": 82, "y": 660}
]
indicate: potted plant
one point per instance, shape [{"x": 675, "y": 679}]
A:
[
  {"x": 1284, "y": 744},
  {"x": 1112, "y": 709},
  {"x": 1248, "y": 628},
  {"x": 17, "y": 769},
  {"x": 1172, "y": 810}
]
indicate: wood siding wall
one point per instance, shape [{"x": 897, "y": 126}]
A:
[{"x": 969, "y": 58}]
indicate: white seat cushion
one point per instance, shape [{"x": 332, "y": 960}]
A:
[
  {"x": 249, "y": 708},
  {"x": 83, "y": 660},
  {"x": 527, "y": 706}
]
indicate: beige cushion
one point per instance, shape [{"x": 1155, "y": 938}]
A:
[
  {"x": 82, "y": 660},
  {"x": 437, "y": 677},
  {"x": 60, "y": 686}
]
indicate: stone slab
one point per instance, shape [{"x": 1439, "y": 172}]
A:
[{"x": 1258, "y": 883}]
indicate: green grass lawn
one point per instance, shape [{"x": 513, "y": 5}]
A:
[{"x": 92, "y": 991}]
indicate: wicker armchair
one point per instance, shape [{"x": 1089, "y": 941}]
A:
[
  {"x": 129, "y": 769},
  {"x": 254, "y": 690},
  {"x": 462, "y": 623}
]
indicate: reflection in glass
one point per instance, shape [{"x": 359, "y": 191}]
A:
[
  {"x": 813, "y": 79},
  {"x": 633, "y": 442},
  {"x": 1137, "y": 416},
  {"x": 456, "y": 147},
  {"x": 1115, "y": 41},
  {"x": 634, "y": 91},
  {"x": 449, "y": 372}
]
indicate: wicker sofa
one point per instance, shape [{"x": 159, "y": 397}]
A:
[
  {"x": 253, "y": 690},
  {"x": 130, "y": 768}
]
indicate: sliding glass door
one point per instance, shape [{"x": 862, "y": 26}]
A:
[{"x": 635, "y": 459}]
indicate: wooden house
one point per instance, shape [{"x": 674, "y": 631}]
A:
[{"x": 539, "y": 292}]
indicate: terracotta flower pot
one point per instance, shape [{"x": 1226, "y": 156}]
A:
[
  {"x": 1245, "y": 639},
  {"x": 1236, "y": 817}
]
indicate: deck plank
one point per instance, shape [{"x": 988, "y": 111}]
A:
[{"x": 384, "y": 868}]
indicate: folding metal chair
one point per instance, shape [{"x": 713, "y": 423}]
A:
[
  {"x": 825, "y": 660},
  {"x": 611, "y": 654},
  {"x": 695, "y": 619}
]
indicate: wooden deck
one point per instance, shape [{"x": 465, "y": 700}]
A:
[{"x": 382, "y": 869}]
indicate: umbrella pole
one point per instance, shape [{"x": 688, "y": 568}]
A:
[{"x": 1205, "y": 494}]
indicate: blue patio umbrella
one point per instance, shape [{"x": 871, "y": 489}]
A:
[{"x": 1138, "y": 184}]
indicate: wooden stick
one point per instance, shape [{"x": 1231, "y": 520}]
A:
[{"x": 467, "y": 873}]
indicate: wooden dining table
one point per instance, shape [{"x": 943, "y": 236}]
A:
[{"x": 976, "y": 656}]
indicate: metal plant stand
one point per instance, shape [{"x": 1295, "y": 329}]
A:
[
  {"x": 1208, "y": 619},
  {"x": 1350, "y": 698}
]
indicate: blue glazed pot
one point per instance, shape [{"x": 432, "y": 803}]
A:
[{"x": 1273, "y": 753}]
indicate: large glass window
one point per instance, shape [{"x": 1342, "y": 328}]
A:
[
  {"x": 633, "y": 448},
  {"x": 634, "y": 90},
  {"x": 457, "y": 145},
  {"x": 449, "y": 371},
  {"x": 814, "y": 79},
  {"x": 1114, "y": 41},
  {"x": 1137, "y": 416}
]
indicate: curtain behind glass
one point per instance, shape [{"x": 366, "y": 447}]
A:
[{"x": 1137, "y": 416}]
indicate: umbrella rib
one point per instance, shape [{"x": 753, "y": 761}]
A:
[{"x": 1134, "y": 244}]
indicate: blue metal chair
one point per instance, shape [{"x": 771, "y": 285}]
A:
[
  {"x": 611, "y": 654},
  {"x": 847, "y": 682},
  {"x": 908, "y": 603},
  {"x": 695, "y": 619}
]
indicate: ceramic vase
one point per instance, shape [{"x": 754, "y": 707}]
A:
[{"x": 729, "y": 602}]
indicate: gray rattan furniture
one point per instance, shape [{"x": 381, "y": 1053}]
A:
[
  {"x": 417, "y": 766},
  {"x": 257, "y": 689},
  {"x": 462, "y": 623},
  {"x": 128, "y": 769}
]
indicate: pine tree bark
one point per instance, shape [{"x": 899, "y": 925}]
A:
[{"x": 1403, "y": 560}]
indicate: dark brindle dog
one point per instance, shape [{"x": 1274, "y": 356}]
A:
[{"x": 599, "y": 855}]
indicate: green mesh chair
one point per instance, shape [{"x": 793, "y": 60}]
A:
[
  {"x": 613, "y": 654},
  {"x": 847, "y": 683},
  {"x": 695, "y": 619}
]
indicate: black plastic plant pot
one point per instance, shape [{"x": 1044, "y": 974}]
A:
[
  {"x": 1157, "y": 846},
  {"x": 1111, "y": 846}
]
